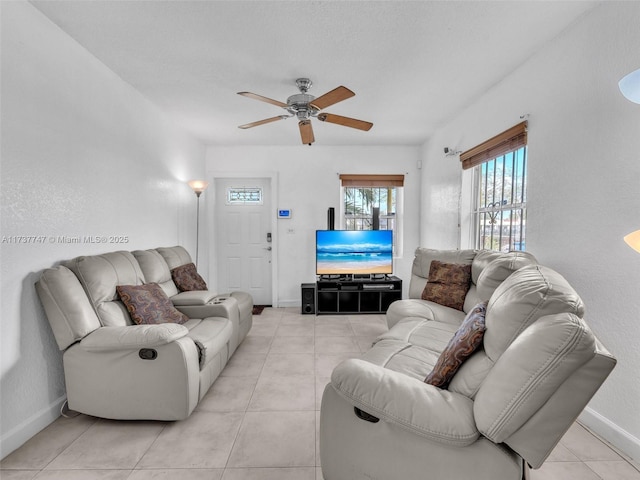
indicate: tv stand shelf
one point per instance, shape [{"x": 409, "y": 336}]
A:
[{"x": 349, "y": 295}]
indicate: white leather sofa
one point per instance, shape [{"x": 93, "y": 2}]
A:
[
  {"x": 120, "y": 370},
  {"x": 507, "y": 406}
]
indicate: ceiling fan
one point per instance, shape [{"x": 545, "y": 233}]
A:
[{"x": 305, "y": 106}]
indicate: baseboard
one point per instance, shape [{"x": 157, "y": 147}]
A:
[
  {"x": 622, "y": 440},
  {"x": 18, "y": 435},
  {"x": 289, "y": 303}
]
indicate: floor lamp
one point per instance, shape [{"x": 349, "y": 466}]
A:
[
  {"x": 630, "y": 88},
  {"x": 198, "y": 186},
  {"x": 633, "y": 240}
]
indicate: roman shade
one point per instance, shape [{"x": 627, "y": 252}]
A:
[
  {"x": 505, "y": 142},
  {"x": 349, "y": 180}
]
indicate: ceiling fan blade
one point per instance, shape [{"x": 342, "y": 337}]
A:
[
  {"x": 334, "y": 96},
  {"x": 346, "y": 121},
  {"x": 262, "y": 122},
  {"x": 255, "y": 96},
  {"x": 306, "y": 132}
]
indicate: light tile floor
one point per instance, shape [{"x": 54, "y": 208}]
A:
[{"x": 259, "y": 421}]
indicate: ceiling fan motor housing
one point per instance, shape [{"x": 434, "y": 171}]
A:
[{"x": 299, "y": 105}]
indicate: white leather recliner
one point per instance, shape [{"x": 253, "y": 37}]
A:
[
  {"x": 504, "y": 410},
  {"x": 115, "y": 369},
  {"x": 156, "y": 266}
]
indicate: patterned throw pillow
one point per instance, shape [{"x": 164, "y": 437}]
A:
[
  {"x": 148, "y": 304},
  {"x": 448, "y": 284},
  {"x": 187, "y": 278},
  {"x": 465, "y": 341}
]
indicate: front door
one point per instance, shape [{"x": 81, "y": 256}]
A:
[{"x": 243, "y": 236}]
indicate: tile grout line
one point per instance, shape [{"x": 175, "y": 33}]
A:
[{"x": 246, "y": 408}]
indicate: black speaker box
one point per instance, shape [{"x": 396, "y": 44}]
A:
[
  {"x": 308, "y": 298},
  {"x": 331, "y": 218}
]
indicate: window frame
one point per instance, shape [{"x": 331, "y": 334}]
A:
[
  {"x": 509, "y": 142},
  {"x": 376, "y": 181}
]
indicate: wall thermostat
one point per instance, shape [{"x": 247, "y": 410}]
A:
[{"x": 284, "y": 213}]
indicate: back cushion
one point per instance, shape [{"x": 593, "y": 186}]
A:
[
  {"x": 422, "y": 263},
  {"x": 520, "y": 298},
  {"x": 156, "y": 270},
  {"x": 498, "y": 270},
  {"x": 174, "y": 256},
  {"x": 530, "y": 372},
  {"x": 526, "y": 295},
  {"x": 481, "y": 260},
  {"x": 99, "y": 275},
  {"x": 68, "y": 309}
]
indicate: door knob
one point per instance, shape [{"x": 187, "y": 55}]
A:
[{"x": 267, "y": 248}]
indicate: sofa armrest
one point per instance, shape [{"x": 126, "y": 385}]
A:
[
  {"x": 195, "y": 297},
  {"x": 132, "y": 337},
  {"x": 423, "y": 409}
]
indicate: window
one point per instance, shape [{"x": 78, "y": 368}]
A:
[
  {"x": 244, "y": 196},
  {"x": 372, "y": 202},
  {"x": 501, "y": 202},
  {"x": 500, "y": 205},
  {"x": 361, "y": 204}
]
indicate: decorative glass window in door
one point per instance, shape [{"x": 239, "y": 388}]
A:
[{"x": 244, "y": 196}]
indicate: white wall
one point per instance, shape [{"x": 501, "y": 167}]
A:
[
  {"x": 584, "y": 174},
  {"x": 308, "y": 183},
  {"x": 83, "y": 154}
]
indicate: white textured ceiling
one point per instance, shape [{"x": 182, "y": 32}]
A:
[{"x": 412, "y": 64}]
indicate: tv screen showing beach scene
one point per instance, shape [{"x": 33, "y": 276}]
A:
[{"x": 352, "y": 252}]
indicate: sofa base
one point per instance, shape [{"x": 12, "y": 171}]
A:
[
  {"x": 355, "y": 449},
  {"x": 120, "y": 385}
]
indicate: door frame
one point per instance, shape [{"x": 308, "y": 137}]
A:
[{"x": 213, "y": 252}]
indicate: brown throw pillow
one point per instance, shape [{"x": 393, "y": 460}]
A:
[
  {"x": 148, "y": 304},
  {"x": 465, "y": 341},
  {"x": 448, "y": 284},
  {"x": 187, "y": 278}
]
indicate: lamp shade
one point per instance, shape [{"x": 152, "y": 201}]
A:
[
  {"x": 633, "y": 240},
  {"x": 198, "y": 186},
  {"x": 630, "y": 86}
]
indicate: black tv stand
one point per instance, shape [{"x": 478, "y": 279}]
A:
[{"x": 346, "y": 295}]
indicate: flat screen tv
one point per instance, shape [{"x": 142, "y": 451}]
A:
[{"x": 354, "y": 252}]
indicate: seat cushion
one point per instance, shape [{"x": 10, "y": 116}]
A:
[
  {"x": 462, "y": 345},
  {"x": 412, "y": 347},
  {"x": 402, "y": 357},
  {"x": 413, "y": 307},
  {"x": 417, "y": 331},
  {"x": 410, "y": 335}
]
